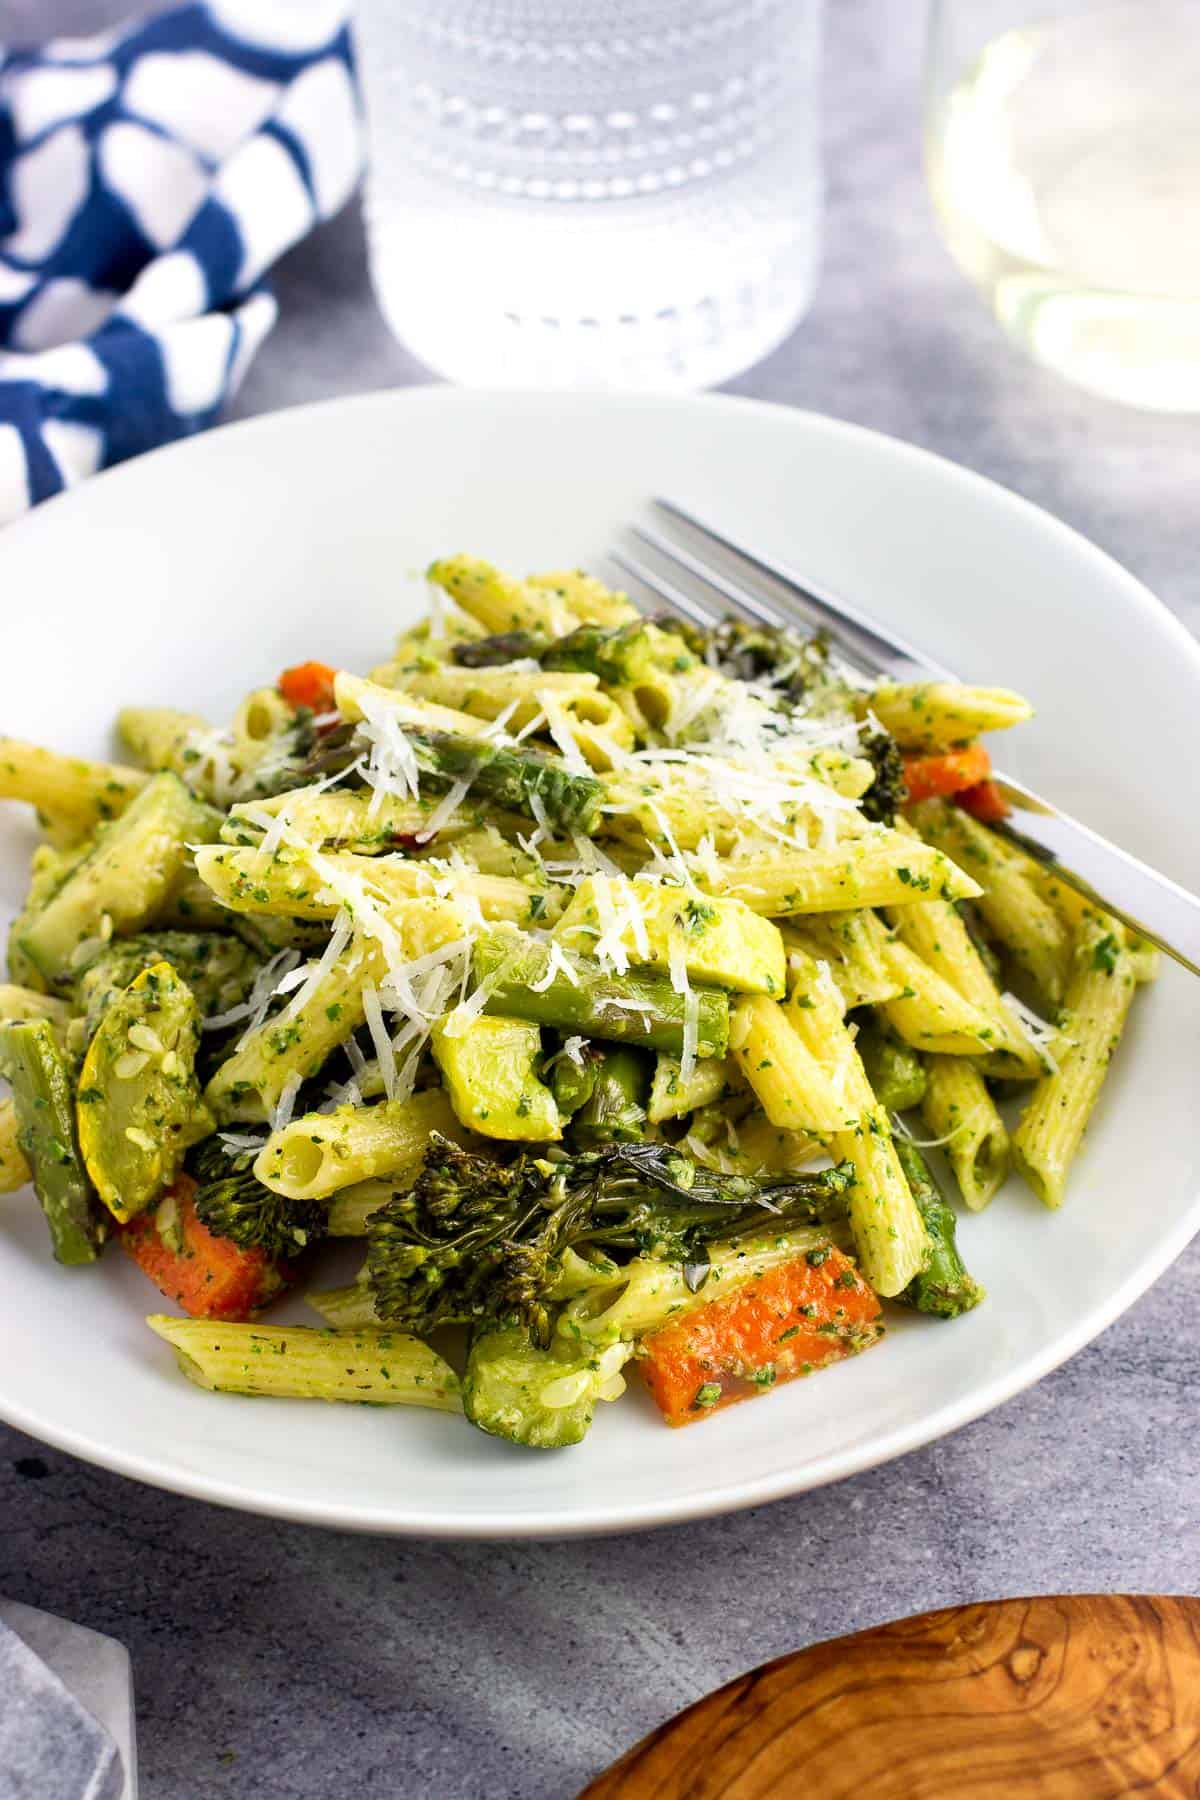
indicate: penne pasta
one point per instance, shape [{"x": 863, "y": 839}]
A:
[
  {"x": 888, "y": 1233},
  {"x": 80, "y": 793},
  {"x": 939, "y": 715},
  {"x": 1098, "y": 998},
  {"x": 880, "y": 869},
  {"x": 963, "y": 1118},
  {"x": 1015, "y": 912},
  {"x": 312, "y": 1157},
  {"x": 296, "y": 1362}
]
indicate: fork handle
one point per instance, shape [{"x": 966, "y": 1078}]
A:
[{"x": 1151, "y": 904}]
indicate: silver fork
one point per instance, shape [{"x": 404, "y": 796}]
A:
[{"x": 1150, "y": 903}]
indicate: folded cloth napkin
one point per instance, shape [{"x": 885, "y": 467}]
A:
[{"x": 148, "y": 178}]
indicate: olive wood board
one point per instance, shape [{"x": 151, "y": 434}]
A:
[{"x": 1066, "y": 1697}]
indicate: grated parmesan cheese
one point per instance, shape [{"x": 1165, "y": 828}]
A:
[
  {"x": 556, "y": 964},
  {"x": 339, "y": 940},
  {"x": 257, "y": 1003},
  {"x": 1039, "y": 1032},
  {"x": 373, "y": 1013},
  {"x": 239, "y": 1143},
  {"x": 446, "y": 807},
  {"x": 572, "y": 1050},
  {"x": 901, "y": 1130},
  {"x": 557, "y": 721},
  {"x": 281, "y": 1112},
  {"x": 691, "y": 1034}
]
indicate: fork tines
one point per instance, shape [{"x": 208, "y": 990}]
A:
[{"x": 865, "y": 644}]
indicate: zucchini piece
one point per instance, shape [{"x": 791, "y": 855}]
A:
[
  {"x": 671, "y": 1096},
  {"x": 140, "y": 1107},
  {"x": 129, "y": 870},
  {"x": 721, "y": 942},
  {"x": 32, "y": 1061},
  {"x": 490, "y": 1072},
  {"x": 534, "y": 1397},
  {"x": 219, "y": 969},
  {"x": 47, "y": 872}
]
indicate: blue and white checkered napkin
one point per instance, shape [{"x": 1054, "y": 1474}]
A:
[{"x": 148, "y": 179}]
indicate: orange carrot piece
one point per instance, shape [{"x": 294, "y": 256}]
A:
[
  {"x": 209, "y": 1277},
  {"x": 984, "y": 802},
  {"x": 788, "y": 1321},
  {"x": 935, "y": 777},
  {"x": 309, "y": 684}
]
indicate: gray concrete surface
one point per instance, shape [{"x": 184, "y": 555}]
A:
[{"x": 278, "y": 1663}]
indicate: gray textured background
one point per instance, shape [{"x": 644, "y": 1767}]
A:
[{"x": 275, "y": 1662}]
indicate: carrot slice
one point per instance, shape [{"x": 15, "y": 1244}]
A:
[
  {"x": 984, "y": 802},
  {"x": 209, "y": 1277},
  {"x": 309, "y": 684},
  {"x": 934, "y": 777},
  {"x": 788, "y": 1321}
]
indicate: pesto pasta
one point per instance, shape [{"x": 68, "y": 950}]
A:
[{"x": 594, "y": 973}]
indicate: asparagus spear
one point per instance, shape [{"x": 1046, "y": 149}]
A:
[
  {"x": 577, "y": 994},
  {"x": 620, "y": 656},
  {"x": 32, "y": 1062},
  {"x": 503, "y": 647},
  {"x": 894, "y": 1071},
  {"x": 510, "y": 777},
  {"x": 518, "y": 780},
  {"x": 943, "y": 1286},
  {"x": 573, "y": 1079},
  {"x": 615, "y": 1110}
]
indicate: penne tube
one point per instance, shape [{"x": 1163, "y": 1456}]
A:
[
  {"x": 318, "y": 1154},
  {"x": 881, "y": 868},
  {"x": 499, "y": 602},
  {"x": 288, "y": 883},
  {"x": 792, "y": 1086},
  {"x": 1051, "y": 1128},
  {"x": 80, "y": 793},
  {"x": 889, "y": 1234},
  {"x": 943, "y": 715},
  {"x": 299, "y": 1362},
  {"x": 962, "y": 1116},
  {"x": 1016, "y": 914}
]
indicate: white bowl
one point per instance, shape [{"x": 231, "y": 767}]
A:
[{"x": 193, "y": 574}]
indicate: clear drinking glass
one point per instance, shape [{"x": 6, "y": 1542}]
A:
[
  {"x": 615, "y": 193},
  {"x": 1063, "y": 146}
]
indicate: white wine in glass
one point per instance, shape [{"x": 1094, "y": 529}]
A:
[{"x": 1063, "y": 152}]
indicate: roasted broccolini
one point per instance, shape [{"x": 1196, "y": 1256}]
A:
[
  {"x": 477, "y": 1241},
  {"x": 232, "y": 1202}
]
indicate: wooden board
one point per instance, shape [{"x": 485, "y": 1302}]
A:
[{"x": 1071, "y": 1697}]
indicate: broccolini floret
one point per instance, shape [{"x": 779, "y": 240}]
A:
[
  {"x": 503, "y": 647},
  {"x": 475, "y": 1241},
  {"x": 889, "y": 790},
  {"x": 232, "y": 1203}
]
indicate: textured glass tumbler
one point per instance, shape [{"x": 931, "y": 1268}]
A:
[
  {"x": 565, "y": 193},
  {"x": 1063, "y": 145}
]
